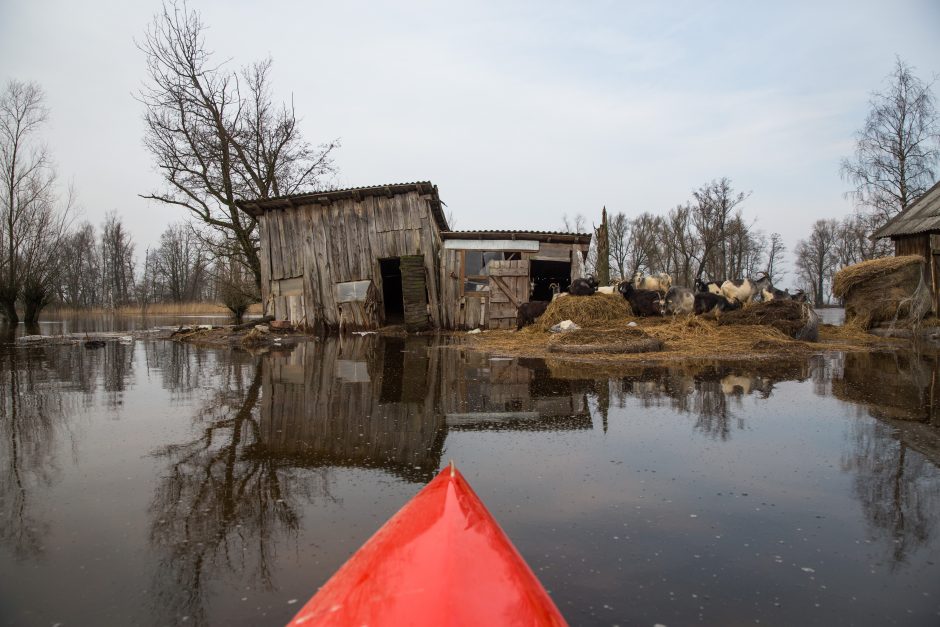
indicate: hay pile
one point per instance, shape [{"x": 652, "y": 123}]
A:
[
  {"x": 796, "y": 320},
  {"x": 612, "y": 341},
  {"x": 585, "y": 311},
  {"x": 881, "y": 290}
]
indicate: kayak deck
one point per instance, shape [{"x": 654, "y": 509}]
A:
[{"x": 442, "y": 559}]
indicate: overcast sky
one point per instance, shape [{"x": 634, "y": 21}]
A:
[{"x": 519, "y": 112}]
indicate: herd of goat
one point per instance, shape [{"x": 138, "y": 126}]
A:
[{"x": 655, "y": 295}]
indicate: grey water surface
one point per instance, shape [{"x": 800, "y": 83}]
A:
[{"x": 157, "y": 483}]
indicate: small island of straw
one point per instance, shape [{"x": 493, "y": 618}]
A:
[{"x": 608, "y": 331}]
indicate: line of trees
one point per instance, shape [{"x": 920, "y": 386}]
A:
[{"x": 707, "y": 237}]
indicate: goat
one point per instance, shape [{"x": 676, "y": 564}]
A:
[
  {"x": 642, "y": 302},
  {"x": 583, "y": 287},
  {"x": 659, "y": 283},
  {"x": 708, "y": 303},
  {"x": 679, "y": 300},
  {"x": 772, "y": 293},
  {"x": 528, "y": 312},
  {"x": 606, "y": 289},
  {"x": 800, "y": 296},
  {"x": 707, "y": 286},
  {"x": 744, "y": 290}
]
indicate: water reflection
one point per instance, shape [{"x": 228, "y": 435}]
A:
[{"x": 245, "y": 453}]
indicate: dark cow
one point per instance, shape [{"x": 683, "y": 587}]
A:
[
  {"x": 583, "y": 287},
  {"x": 708, "y": 303},
  {"x": 642, "y": 302},
  {"x": 528, "y": 312}
]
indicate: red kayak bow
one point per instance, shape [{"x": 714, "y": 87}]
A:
[{"x": 441, "y": 560}]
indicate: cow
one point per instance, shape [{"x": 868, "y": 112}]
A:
[
  {"x": 528, "y": 312},
  {"x": 679, "y": 300},
  {"x": 642, "y": 302}
]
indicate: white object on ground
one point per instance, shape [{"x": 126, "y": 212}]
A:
[{"x": 564, "y": 326}]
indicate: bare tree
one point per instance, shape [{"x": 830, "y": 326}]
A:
[
  {"x": 181, "y": 264},
  {"x": 575, "y": 224},
  {"x": 32, "y": 225},
  {"x": 815, "y": 258},
  {"x": 776, "y": 250},
  {"x": 713, "y": 207},
  {"x": 680, "y": 243},
  {"x": 80, "y": 277},
  {"x": 898, "y": 147},
  {"x": 217, "y": 137},
  {"x": 117, "y": 263},
  {"x": 618, "y": 232}
]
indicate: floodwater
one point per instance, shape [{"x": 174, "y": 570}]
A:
[{"x": 157, "y": 483}]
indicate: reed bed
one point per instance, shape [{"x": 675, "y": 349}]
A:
[{"x": 154, "y": 309}]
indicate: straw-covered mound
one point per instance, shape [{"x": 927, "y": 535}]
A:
[
  {"x": 796, "y": 320},
  {"x": 880, "y": 290},
  {"x": 612, "y": 340},
  {"x": 585, "y": 311}
]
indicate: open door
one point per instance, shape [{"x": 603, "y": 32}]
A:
[
  {"x": 509, "y": 288},
  {"x": 414, "y": 292}
]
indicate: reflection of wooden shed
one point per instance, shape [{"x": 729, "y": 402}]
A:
[
  {"x": 486, "y": 275},
  {"x": 916, "y": 231},
  {"x": 365, "y": 257}
]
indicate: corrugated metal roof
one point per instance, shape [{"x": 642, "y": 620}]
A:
[
  {"x": 260, "y": 205},
  {"x": 921, "y": 216},
  {"x": 546, "y": 236}
]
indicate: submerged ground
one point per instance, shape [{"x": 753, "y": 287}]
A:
[{"x": 156, "y": 482}]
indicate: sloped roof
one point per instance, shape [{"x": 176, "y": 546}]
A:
[
  {"x": 259, "y": 206},
  {"x": 921, "y": 216}
]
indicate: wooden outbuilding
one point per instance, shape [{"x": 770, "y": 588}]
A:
[
  {"x": 366, "y": 257},
  {"x": 916, "y": 231}
]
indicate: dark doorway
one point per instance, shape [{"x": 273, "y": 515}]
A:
[
  {"x": 544, "y": 273},
  {"x": 391, "y": 290}
]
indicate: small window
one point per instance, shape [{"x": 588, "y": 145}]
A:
[{"x": 475, "y": 268}]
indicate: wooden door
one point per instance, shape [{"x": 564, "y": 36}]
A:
[
  {"x": 414, "y": 292},
  {"x": 509, "y": 288}
]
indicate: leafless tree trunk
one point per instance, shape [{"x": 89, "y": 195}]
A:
[
  {"x": 218, "y": 138},
  {"x": 603, "y": 250},
  {"x": 898, "y": 147}
]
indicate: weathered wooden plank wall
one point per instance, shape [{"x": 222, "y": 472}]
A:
[{"x": 342, "y": 241}]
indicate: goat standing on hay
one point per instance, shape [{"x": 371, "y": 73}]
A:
[
  {"x": 743, "y": 290},
  {"x": 708, "y": 286},
  {"x": 528, "y": 312},
  {"x": 583, "y": 287},
  {"x": 679, "y": 300},
  {"x": 642, "y": 302},
  {"x": 707, "y": 303}
]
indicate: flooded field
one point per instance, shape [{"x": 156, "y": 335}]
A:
[{"x": 157, "y": 483}]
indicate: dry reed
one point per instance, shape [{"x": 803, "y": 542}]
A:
[{"x": 153, "y": 309}]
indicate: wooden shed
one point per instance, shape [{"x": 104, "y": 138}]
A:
[
  {"x": 916, "y": 231},
  {"x": 366, "y": 257},
  {"x": 486, "y": 275},
  {"x": 355, "y": 258}
]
